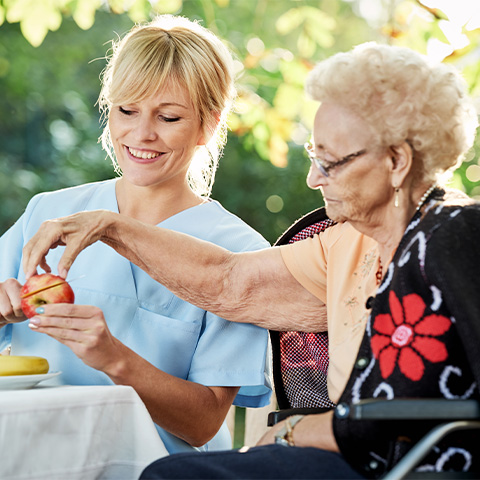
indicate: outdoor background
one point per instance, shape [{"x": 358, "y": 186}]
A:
[{"x": 53, "y": 51}]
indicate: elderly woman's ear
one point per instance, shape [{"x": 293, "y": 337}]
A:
[{"x": 401, "y": 163}]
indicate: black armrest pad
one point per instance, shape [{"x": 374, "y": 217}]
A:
[
  {"x": 279, "y": 415},
  {"x": 410, "y": 409}
]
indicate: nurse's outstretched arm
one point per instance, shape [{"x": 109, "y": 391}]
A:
[{"x": 252, "y": 287}]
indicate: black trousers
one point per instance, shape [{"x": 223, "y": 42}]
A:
[{"x": 265, "y": 462}]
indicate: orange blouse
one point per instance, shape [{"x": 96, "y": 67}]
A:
[{"x": 344, "y": 287}]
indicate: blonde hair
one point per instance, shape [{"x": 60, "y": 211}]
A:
[
  {"x": 174, "y": 49},
  {"x": 404, "y": 97}
]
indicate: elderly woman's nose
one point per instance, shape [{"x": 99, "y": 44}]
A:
[{"x": 315, "y": 178}]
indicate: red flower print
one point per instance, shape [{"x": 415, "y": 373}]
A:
[{"x": 404, "y": 337}]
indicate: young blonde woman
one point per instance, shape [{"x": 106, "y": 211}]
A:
[{"x": 166, "y": 92}]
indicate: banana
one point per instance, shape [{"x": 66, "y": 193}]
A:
[{"x": 22, "y": 365}]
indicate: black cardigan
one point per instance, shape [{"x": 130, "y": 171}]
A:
[{"x": 421, "y": 339}]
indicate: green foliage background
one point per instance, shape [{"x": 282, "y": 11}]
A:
[{"x": 52, "y": 53}]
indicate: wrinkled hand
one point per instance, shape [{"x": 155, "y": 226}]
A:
[
  {"x": 10, "y": 302},
  {"x": 269, "y": 436},
  {"x": 315, "y": 430},
  {"x": 83, "y": 329},
  {"x": 75, "y": 232}
]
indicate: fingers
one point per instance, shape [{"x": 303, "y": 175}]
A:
[
  {"x": 76, "y": 232},
  {"x": 68, "y": 315},
  {"x": 50, "y": 235},
  {"x": 72, "y": 250},
  {"x": 63, "y": 321},
  {"x": 82, "y": 328},
  {"x": 35, "y": 251},
  {"x": 10, "y": 301}
]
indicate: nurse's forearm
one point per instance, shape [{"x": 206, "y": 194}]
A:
[{"x": 189, "y": 410}]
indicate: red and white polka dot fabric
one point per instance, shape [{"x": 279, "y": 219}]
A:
[{"x": 304, "y": 356}]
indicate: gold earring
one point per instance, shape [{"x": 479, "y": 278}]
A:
[{"x": 395, "y": 202}]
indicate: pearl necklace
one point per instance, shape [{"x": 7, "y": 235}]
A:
[
  {"x": 424, "y": 197},
  {"x": 379, "y": 273}
]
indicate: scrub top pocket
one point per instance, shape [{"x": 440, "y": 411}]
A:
[{"x": 166, "y": 342}]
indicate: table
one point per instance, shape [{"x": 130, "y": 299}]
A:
[{"x": 76, "y": 432}]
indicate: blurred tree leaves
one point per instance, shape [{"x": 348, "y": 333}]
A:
[
  {"x": 38, "y": 17},
  {"x": 52, "y": 53},
  {"x": 314, "y": 25}
]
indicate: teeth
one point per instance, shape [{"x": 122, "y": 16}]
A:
[{"x": 142, "y": 154}]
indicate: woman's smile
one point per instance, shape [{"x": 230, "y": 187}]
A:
[
  {"x": 156, "y": 137},
  {"x": 142, "y": 156}
]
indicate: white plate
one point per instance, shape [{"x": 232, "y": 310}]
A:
[{"x": 18, "y": 382}]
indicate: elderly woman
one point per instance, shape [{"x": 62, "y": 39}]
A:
[
  {"x": 166, "y": 93},
  {"x": 398, "y": 271}
]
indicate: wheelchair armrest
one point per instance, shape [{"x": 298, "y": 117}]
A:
[
  {"x": 411, "y": 409},
  {"x": 453, "y": 415},
  {"x": 279, "y": 415}
]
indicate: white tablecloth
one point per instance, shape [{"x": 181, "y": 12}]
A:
[{"x": 76, "y": 432}]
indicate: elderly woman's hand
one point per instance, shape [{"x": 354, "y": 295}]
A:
[
  {"x": 314, "y": 430},
  {"x": 10, "y": 302},
  {"x": 76, "y": 232}
]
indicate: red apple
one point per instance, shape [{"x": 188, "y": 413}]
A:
[{"x": 42, "y": 289}]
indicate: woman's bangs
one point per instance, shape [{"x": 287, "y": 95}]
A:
[{"x": 128, "y": 86}]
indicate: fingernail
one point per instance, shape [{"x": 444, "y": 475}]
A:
[
  {"x": 33, "y": 323},
  {"x": 39, "y": 310}
]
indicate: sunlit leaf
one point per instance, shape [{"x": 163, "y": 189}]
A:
[
  {"x": 471, "y": 74},
  {"x": 33, "y": 31},
  {"x": 261, "y": 147},
  {"x": 288, "y": 100},
  {"x": 434, "y": 8},
  {"x": 139, "y": 10},
  {"x": 222, "y": 3},
  {"x": 306, "y": 46},
  {"x": 415, "y": 33},
  {"x": 17, "y": 10},
  {"x": 278, "y": 150},
  {"x": 467, "y": 51},
  {"x": 437, "y": 32},
  {"x": 317, "y": 27},
  {"x": 167, "y": 6},
  {"x": 321, "y": 36},
  {"x": 289, "y": 21},
  {"x": 295, "y": 71},
  {"x": 117, "y": 6},
  {"x": 315, "y": 16},
  {"x": 36, "y": 18},
  {"x": 2, "y": 14},
  {"x": 279, "y": 124},
  {"x": 84, "y": 13},
  {"x": 261, "y": 132},
  {"x": 234, "y": 123}
]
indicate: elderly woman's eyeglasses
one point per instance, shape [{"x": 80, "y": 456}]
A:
[{"x": 326, "y": 166}]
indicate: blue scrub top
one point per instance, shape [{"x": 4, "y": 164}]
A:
[{"x": 175, "y": 336}]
